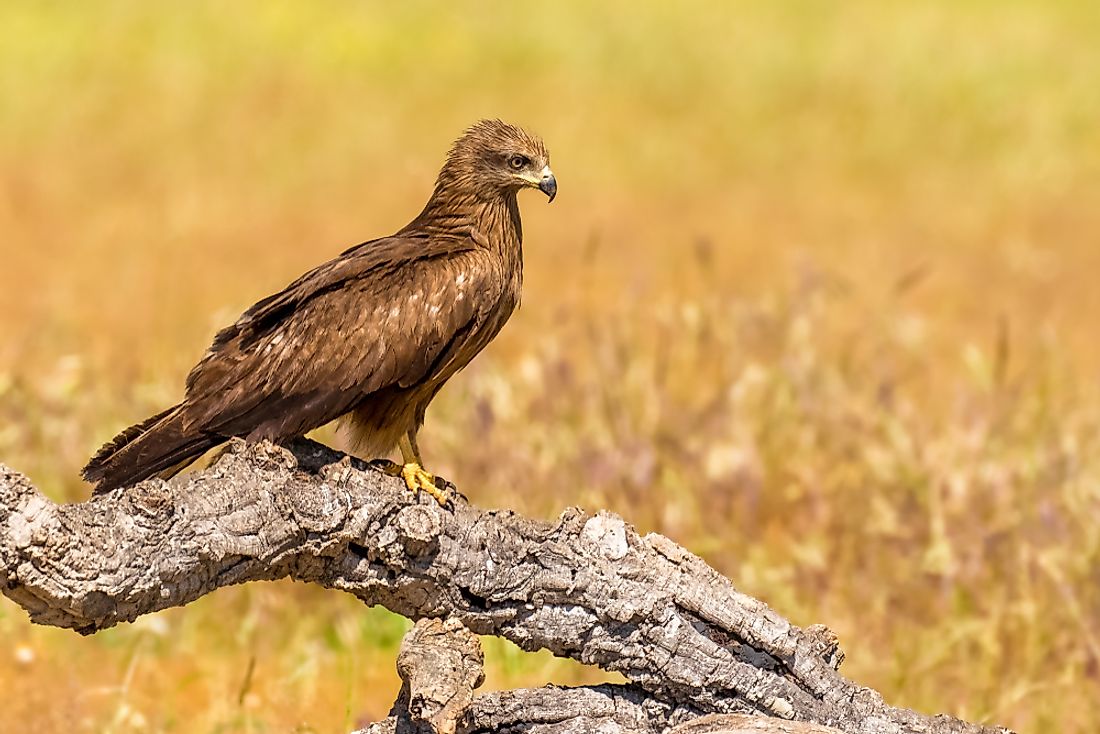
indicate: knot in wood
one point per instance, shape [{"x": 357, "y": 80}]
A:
[
  {"x": 263, "y": 455},
  {"x": 318, "y": 508},
  {"x": 417, "y": 528}
]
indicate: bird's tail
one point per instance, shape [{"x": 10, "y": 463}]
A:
[{"x": 157, "y": 444}]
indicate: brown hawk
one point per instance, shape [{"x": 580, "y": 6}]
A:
[{"x": 369, "y": 337}]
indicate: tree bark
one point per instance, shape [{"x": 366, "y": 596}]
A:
[
  {"x": 586, "y": 587},
  {"x": 440, "y": 663}
]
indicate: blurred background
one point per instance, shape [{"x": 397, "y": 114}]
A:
[{"x": 817, "y": 299}]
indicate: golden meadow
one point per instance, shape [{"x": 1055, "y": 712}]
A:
[{"x": 818, "y": 299}]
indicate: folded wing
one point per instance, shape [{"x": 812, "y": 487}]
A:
[{"x": 381, "y": 315}]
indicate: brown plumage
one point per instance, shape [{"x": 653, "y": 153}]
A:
[{"x": 370, "y": 336}]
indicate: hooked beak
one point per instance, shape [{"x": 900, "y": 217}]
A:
[{"x": 548, "y": 184}]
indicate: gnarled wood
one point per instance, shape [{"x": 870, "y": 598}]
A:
[
  {"x": 587, "y": 586},
  {"x": 440, "y": 662}
]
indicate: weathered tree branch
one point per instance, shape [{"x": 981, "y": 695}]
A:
[
  {"x": 440, "y": 663},
  {"x": 587, "y": 586}
]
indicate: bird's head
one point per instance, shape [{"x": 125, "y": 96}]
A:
[{"x": 493, "y": 158}]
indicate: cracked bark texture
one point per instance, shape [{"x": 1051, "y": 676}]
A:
[
  {"x": 441, "y": 664},
  {"x": 586, "y": 586}
]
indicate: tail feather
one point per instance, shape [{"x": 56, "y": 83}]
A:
[
  {"x": 155, "y": 445},
  {"x": 93, "y": 472}
]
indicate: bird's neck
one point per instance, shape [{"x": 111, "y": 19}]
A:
[{"x": 491, "y": 222}]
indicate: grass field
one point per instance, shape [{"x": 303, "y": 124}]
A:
[{"x": 817, "y": 299}]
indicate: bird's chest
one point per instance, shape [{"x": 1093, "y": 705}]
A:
[
  {"x": 493, "y": 320},
  {"x": 485, "y": 326}
]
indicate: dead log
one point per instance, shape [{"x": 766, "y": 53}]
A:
[{"x": 586, "y": 587}]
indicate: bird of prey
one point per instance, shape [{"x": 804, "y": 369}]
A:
[{"x": 368, "y": 337}]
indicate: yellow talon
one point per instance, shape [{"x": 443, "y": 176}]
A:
[{"x": 417, "y": 480}]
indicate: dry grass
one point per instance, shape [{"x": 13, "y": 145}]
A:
[{"x": 817, "y": 300}]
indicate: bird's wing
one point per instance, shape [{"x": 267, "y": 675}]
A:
[{"x": 379, "y": 316}]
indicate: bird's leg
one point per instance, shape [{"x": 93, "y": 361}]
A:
[{"x": 416, "y": 478}]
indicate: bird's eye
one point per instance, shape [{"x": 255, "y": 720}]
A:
[{"x": 517, "y": 162}]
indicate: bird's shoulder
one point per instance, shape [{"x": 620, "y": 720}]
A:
[{"x": 372, "y": 261}]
